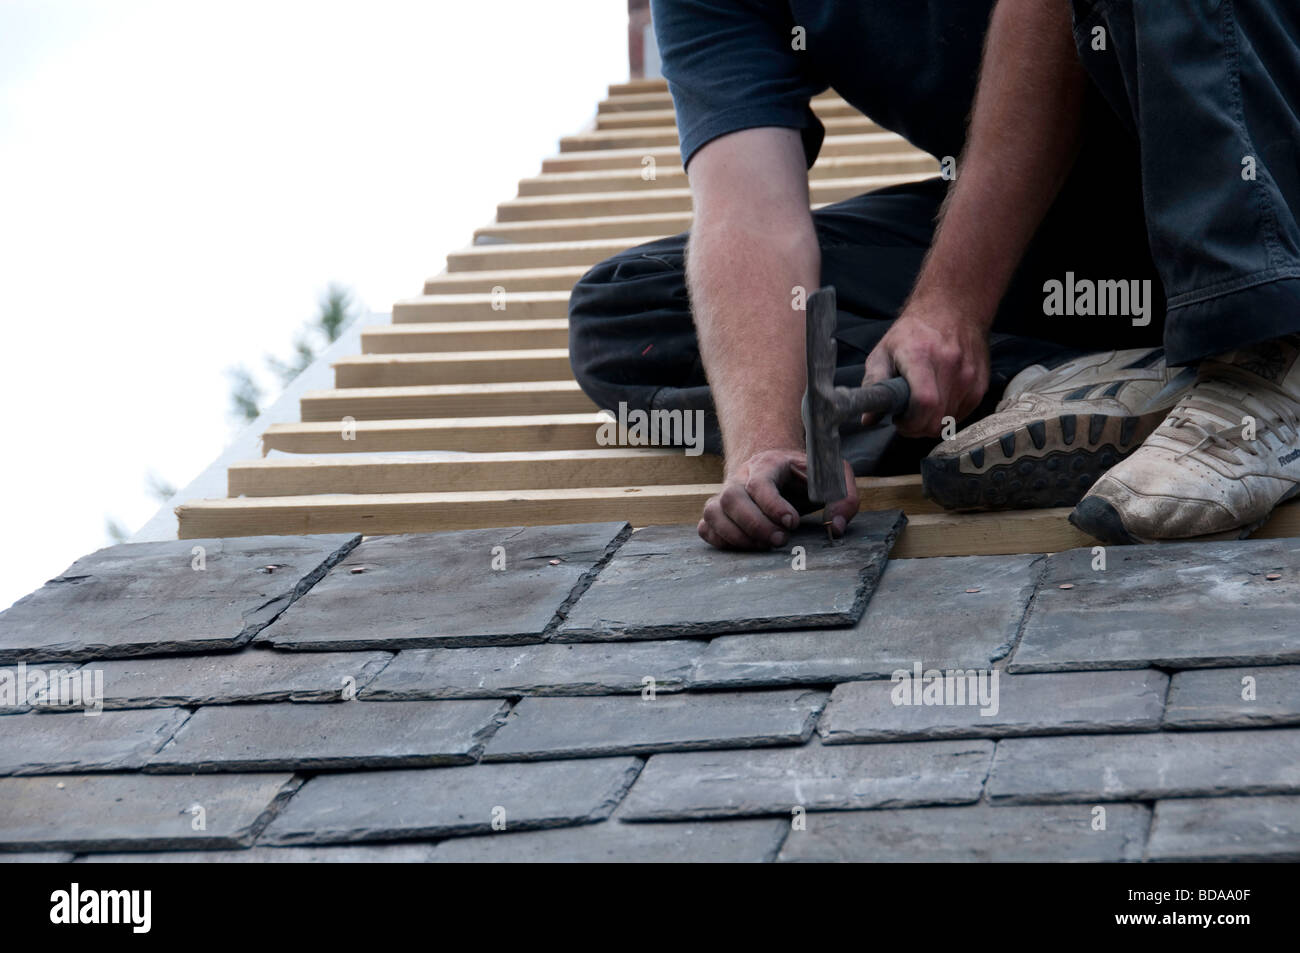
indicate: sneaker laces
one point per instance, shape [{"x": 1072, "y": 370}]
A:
[
  {"x": 1056, "y": 390},
  {"x": 1225, "y": 391}
]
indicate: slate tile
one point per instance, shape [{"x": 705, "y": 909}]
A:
[
  {"x": 666, "y": 582},
  {"x": 53, "y": 743},
  {"x": 699, "y": 784},
  {"x": 588, "y": 727},
  {"x": 957, "y": 629},
  {"x": 117, "y": 812},
  {"x": 149, "y": 599},
  {"x": 1060, "y": 703},
  {"x": 611, "y": 842},
  {"x": 377, "y": 854},
  {"x": 353, "y": 734},
  {"x": 1146, "y": 767},
  {"x": 24, "y": 687},
  {"x": 1234, "y": 697},
  {"x": 1172, "y": 605},
  {"x": 975, "y": 834},
  {"x": 41, "y": 857},
  {"x": 251, "y": 675},
  {"x": 547, "y": 669},
  {"x": 1226, "y": 828},
  {"x": 440, "y": 590},
  {"x": 437, "y": 802}
]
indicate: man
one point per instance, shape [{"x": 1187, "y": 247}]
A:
[{"x": 1148, "y": 146}]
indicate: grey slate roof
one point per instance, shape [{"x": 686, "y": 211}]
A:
[{"x": 584, "y": 693}]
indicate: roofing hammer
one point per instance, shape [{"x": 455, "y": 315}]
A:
[{"x": 826, "y": 406}]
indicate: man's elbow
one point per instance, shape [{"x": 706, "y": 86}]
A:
[{"x": 746, "y": 240}]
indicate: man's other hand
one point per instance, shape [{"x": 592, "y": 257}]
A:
[
  {"x": 945, "y": 360},
  {"x": 761, "y": 501}
]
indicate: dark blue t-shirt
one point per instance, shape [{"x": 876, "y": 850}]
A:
[{"x": 910, "y": 65}]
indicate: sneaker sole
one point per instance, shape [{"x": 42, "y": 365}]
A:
[{"x": 1042, "y": 463}]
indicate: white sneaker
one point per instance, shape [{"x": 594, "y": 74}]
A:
[{"x": 1226, "y": 455}]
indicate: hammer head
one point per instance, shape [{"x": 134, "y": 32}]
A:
[{"x": 820, "y": 425}]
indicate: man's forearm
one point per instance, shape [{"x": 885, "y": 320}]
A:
[
  {"x": 1022, "y": 142},
  {"x": 752, "y": 243},
  {"x": 751, "y": 338}
]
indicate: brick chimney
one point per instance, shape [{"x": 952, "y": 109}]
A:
[{"x": 642, "y": 51}]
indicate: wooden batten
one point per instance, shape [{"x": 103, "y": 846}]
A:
[
  {"x": 468, "y": 434},
  {"x": 465, "y": 336},
  {"x": 453, "y": 367},
  {"x": 446, "y": 400}
]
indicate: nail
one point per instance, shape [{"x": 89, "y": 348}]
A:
[
  {"x": 789, "y": 520},
  {"x": 778, "y": 539}
]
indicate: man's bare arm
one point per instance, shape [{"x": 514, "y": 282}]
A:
[
  {"x": 752, "y": 242},
  {"x": 1022, "y": 142}
]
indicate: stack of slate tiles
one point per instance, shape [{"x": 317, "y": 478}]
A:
[{"x": 588, "y": 693}]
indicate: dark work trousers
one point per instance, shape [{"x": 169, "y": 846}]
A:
[
  {"x": 1187, "y": 96},
  {"x": 1211, "y": 90}
]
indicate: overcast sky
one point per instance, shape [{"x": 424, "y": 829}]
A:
[{"x": 181, "y": 179}]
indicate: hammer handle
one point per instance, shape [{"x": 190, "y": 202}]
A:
[{"x": 887, "y": 397}]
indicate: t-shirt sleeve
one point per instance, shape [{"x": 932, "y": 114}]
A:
[{"x": 732, "y": 65}]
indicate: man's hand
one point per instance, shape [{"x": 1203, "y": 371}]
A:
[
  {"x": 945, "y": 359},
  {"x": 761, "y": 501}
]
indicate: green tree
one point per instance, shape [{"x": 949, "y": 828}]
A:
[
  {"x": 304, "y": 354},
  {"x": 335, "y": 312},
  {"x": 117, "y": 533},
  {"x": 245, "y": 395},
  {"x": 158, "y": 488}
]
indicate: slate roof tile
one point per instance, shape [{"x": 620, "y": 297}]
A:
[
  {"x": 1256, "y": 696},
  {"x": 813, "y": 777},
  {"x": 193, "y": 595},
  {"x": 1232, "y": 828},
  {"x": 979, "y": 833},
  {"x": 665, "y": 582},
  {"x": 76, "y": 742},
  {"x": 612, "y": 842},
  {"x": 438, "y": 802},
  {"x": 117, "y": 812},
  {"x": 476, "y": 587},
  {"x": 1147, "y": 766},
  {"x": 367, "y": 854},
  {"x": 543, "y": 728},
  {"x": 547, "y": 669},
  {"x": 354, "y": 734},
  {"x": 250, "y": 675},
  {"x": 1172, "y": 605},
  {"x": 1060, "y": 703},
  {"x": 37, "y": 857}
]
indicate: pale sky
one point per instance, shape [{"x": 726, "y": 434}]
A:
[{"x": 181, "y": 179}]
